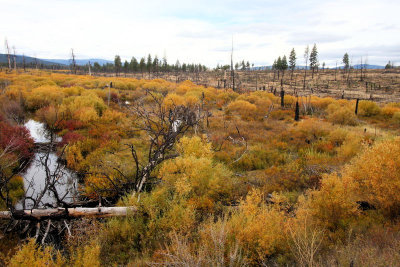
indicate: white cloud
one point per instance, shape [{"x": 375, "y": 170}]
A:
[{"x": 201, "y": 31}]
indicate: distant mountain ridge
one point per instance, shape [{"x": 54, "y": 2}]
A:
[
  {"x": 28, "y": 60},
  {"x": 50, "y": 62},
  {"x": 81, "y": 62}
]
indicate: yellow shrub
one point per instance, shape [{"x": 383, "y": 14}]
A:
[
  {"x": 88, "y": 255},
  {"x": 396, "y": 118},
  {"x": 258, "y": 228},
  {"x": 368, "y": 108},
  {"x": 376, "y": 173},
  {"x": 31, "y": 254},
  {"x": 321, "y": 103},
  {"x": 73, "y": 90},
  {"x": 195, "y": 177},
  {"x": 245, "y": 109},
  {"x": 173, "y": 100},
  {"x": 44, "y": 96},
  {"x": 86, "y": 114},
  {"x": 333, "y": 206},
  {"x": 341, "y": 115}
]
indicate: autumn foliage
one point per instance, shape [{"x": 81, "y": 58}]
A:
[{"x": 247, "y": 185}]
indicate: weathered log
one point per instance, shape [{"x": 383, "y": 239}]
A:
[{"x": 62, "y": 213}]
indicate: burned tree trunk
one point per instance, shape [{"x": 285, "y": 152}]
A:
[
  {"x": 282, "y": 95},
  {"x": 297, "y": 112},
  {"x": 356, "y": 110}
]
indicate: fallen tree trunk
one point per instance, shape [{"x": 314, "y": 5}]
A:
[{"x": 64, "y": 213}]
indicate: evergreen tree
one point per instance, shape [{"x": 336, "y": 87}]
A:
[
  {"x": 284, "y": 65},
  {"x": 142, "y": 65},
  {"x": 96, "y": 67},
  {"x": 389, "y": 65},
  {"x": 346, "y": 61},
  {"x": 117, "y": 64},
  {"x": 165, "y": 64},
  {"x": 314, "y": 59},
  {"x": 155, "y": 64},
  {"x": 133, "y": 65},
  {"x": 278, "y": 65},
  {"x": 126, "y": 67},
  {"x": 177, "y": 65},
  {"x": 149, "y": 64}
]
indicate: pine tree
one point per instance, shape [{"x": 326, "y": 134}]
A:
[
  {"x": 284, "y": 65},
  {"x": 133, "y": 65},
  {"x": 149, "y": 64},
  {"x": 117, "y": 64},
  {"x": 126, "y": 67},
  {"x": 142, "y": 65},
  {"x": 292, "y": 62},
  {"x": 314, "y": 59},
  {"x": 155, "y": 64},
  {"x": 346, "y": 61},
  {"x": 278, "y": 65},
  {"x": 165, "y": 64}
]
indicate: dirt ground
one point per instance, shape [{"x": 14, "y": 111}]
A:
[{"x": 376, "y": 85}]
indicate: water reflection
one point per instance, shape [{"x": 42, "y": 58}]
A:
[{"x": 35, "y": 177}]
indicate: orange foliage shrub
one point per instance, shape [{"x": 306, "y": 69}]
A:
[
  {"x": 244, "y": 108},
  {"x": 44, "y": 96},
  {"x": 332, "y": 206},
  {"x": 341, "y": 114},
  {"x": 376, "y": 174},
  {"x": 195, "y": 177},
  {"x": 258, "y": 228},
  {"x": 368, "y": 108}
]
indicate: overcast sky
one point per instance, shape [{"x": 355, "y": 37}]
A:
[{"x": 201, "y": 31}]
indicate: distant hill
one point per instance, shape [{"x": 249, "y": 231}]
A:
[
  {"x": 29, "y": 60},
  {"x": 81, "y": 62},
  {"x": 368, "y": 67},
  {"x": 52, "y": 62}
]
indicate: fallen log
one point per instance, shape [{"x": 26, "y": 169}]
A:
[{"x": 63, "y": 213}]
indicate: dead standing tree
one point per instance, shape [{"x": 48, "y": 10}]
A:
[
  {"x": 8, "y": 55},
  {"x": 163, "y": 126},
  {"x": 73, "y": 62}
]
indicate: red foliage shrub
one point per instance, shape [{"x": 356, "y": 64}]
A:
[
  {"x": 71, "y": 137},
  {"x": 16, "y": 138},
  {"x": 70, "y": 124}
]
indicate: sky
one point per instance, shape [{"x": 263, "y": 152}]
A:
[{"x": 202, "y": 31}]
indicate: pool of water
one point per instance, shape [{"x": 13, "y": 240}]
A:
[{"x": 36, "y": 174}]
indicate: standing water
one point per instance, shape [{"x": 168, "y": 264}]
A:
[{"x": 35, "y": 175}]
